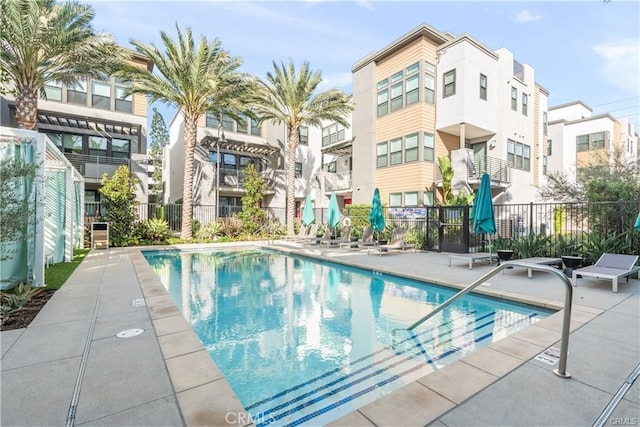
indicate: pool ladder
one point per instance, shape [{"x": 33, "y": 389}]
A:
[{"x": 564, "y": 345}]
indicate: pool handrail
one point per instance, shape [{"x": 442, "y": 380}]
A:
[{"x": 564, "y": 345}]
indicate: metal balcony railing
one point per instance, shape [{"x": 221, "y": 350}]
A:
[
  {"x": 499, "y": 170},
  {"x": 233, "y": 178},
  {"x": 91, "y": 166}
]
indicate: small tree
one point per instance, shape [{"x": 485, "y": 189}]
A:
[
  {"x": 252, "y": 215},
  {"x": 119, "y": 200},
  {"x": 159, "y": 139},
  {"x": 16, "y": 210},
  {"x": 446, "y": 170}
]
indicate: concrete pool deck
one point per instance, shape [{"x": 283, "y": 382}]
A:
[{"x": 69, "y": 368}]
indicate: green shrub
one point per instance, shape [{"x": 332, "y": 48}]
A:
[
  {"x": 157, "y": 230},
  {"x": 532, "y": 245},
  {"x": 18, "y": 296},
  {"x": 138, "y": 233},
  {"x": 119, "y": 200},
  {"x": 595, "y": 245},
  {"x": 210, "y": 231}
]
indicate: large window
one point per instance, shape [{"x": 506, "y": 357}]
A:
[
  {"x": 120, "y": 148},
  {"x": 412, "y": 83},
  {"x": 518, "y": 155},
  {"x": 514, "y": 99},
  {"x": 211, "y": 121},
  {"x": 411, "y": 198},
  {"x": 123, "y": 103},
  {"x": 227, "y": 123},
  {"x": 449, "y": 83},
  {"x": 411, "y": 148},
  {"x": 98, "y": 146},
  {"x": 331, "y": 167},
  {"x": 428, "y": 198},
  {"x": 483, "y": 87},
  {"x": 77, "y": 93},
  {"x": 395, "y": 199},
  {"x": 53, "y": 91},
  {"x": 592, "y": 141},
  {"x": 381, "y": 154},
  {"x": 428, "y": 143},
  {"x": 72, "y": 143},
  {"x": 242, "y": 125},
  {"x": 333, "y": 133},
  {"x": 101, "y": 95},
  {"x": 383, "y": 97},
  {"x": 396, "y": 91},
  {"x": 255, "y": 129},
  {"x": 395, "y": 151},
  {"x": 429, "y": 83},
  {"x": 525, "y": 104}
]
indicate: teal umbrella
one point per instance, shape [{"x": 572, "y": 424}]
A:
[
  {"x": 334, "y": 215},
  {"x": 637, "y": 226},
  {"x": 376, "y": 216},
  {"x": 307, "y": 212},
  {"x": 482, "y": 211}
]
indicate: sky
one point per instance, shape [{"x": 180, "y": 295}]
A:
[{"x": 585, "y": 51}]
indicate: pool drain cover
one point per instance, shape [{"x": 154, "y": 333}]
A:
[{"x": 128, "y": 333}]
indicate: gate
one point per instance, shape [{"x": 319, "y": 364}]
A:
[{"x": 453, "y": 228}]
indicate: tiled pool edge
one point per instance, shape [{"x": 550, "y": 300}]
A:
[{"x": 205, "y": 397}]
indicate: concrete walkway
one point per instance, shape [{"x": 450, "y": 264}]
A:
[{"x": 70, "y": 368}]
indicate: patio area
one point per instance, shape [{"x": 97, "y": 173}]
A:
[{"x": 70, "y": 368}]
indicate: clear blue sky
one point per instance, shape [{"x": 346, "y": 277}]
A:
[{"x": 580, "y": 50}]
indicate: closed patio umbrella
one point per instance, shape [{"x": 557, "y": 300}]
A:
[
  {"x": 376, "y": 216},
  {"x": 637, "y": 226},
  {"x": 333, "y": 215},
  {"x": 482, "y": 211},
  {"x": 307, "y": 212}
]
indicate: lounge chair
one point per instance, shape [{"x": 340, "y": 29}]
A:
[
  {"x": 609, "y": 266},
  {"x": 314, "y": 239},
  {"x": 473, "y": 257},
  {"x": 538, "y": 260},
  {"x": 367, "y": 239},
  {"x": 345, "y": 238},
  {"x": 396, "y": 242},
  {"x": 311, "y": 233},
  {"x": 302, "y": 233}
]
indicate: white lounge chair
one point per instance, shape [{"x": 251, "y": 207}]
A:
[
  {"x": 367, "y": 239},
  {"x": 471, "y": 258},
  {"x": 396, "y": 242},
  {"x": 345, "y": 238},
  {"x": 609, "y": 266}
]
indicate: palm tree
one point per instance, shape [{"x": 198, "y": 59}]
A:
[
  {"x": 290, "y": 98},
  {"x": 43, "y": 41},
  {"x": 195, "y": 79}
]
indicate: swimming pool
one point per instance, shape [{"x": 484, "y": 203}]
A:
[{"x": 303, "y": 341}]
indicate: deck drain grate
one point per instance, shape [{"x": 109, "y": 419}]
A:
[{"x": 129, "y": 333}]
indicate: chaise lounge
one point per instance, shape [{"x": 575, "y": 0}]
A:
[{"x": 609, "y": 266}]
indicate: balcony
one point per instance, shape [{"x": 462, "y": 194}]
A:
[
  {"x": 499, "y": 170},
  {"x": 231, "y": 179},
  {"x": 94, "y": 167},
  {"x": 337, "y": 181}
]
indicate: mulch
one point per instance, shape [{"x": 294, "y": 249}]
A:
[{"x": 22, "y": 317}]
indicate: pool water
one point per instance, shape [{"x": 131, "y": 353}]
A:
[{"x": 304, "y": 342}]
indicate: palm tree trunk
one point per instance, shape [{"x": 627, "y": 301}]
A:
[
  {"x": 292, "y": 144},
  {"x": 190, "y": 136},
  {"x": 26, "y": 107}
]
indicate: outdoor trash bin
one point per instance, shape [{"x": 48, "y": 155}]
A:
[{"x": 99, "y": 235}]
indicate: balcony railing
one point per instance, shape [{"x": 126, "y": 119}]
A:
[
  {"x": 233, "y": 178},
  {"x": 94, "y": 167},
  {"x": 499, "y": 170},
  {"x": 337, "y": 181}
]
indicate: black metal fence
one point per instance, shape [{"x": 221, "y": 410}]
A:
[{"x": 449, "y": 228}]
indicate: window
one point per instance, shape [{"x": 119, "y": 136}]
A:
[
  {"x": 298, "y": 170},
  {"x": 56, "y": 138},
  {"x": 411, "y": 198},
  {"x": 428, "y": 147},
  {"x": 53, "y": 91},
  {"x": 483, "y": 87},
  {"x": 395, "y": 199},
  {"x": 120, "y": 148},
  {"x": 525, "y": 102},
  {"x": 395, "y": 151},
  {"x": 332, "y": 134},
  {"x": 77, "y": 93},
  {"x": 72, "y": 143},
  {"x": 383, "y": 98},
  {"x": 544, "y": 123},
  {"x": 303, "y": 135},
  {"x": 412, "y": 83},
  {"x": 544, "y": 165},
  {"x": 255, "y": 129},
  {"x": 330, "y": 167},
  {"x": 123, "y": 103},
  {"x": 592, "y": 141},
  {"x": 449, "y": 83},
  {"x": 211, "y": 121},
  {"x": 242, "y": 125},
  {"x": 381, "y": 155},
  {"x": 549, "y": 147},
  {"x": 514, "y": 99},
  {"x": 411, "y": 148},
  {"x": 227, "y": 123},
  {"x": 518, "y": 155},
  {"x": 429, "y": 83},
  {"x": 396, "y": 96},
  {"x": 428, "y": 198},
  {"x": 229, "y": 161},
  {"x": 101, "y": 95},
  {"x": 98, "y": 146}
]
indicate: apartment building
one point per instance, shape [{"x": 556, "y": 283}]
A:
[
  {"x": 95, "y": 127},
  {"x": 577, "y": 139},
  {"x": 430, "y": 94}
]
